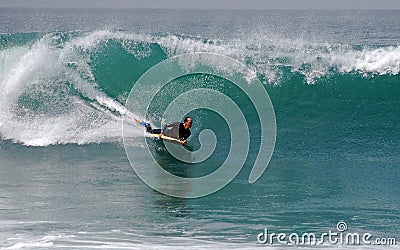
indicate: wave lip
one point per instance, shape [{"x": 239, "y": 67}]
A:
[{"x": 380, "y": 61}]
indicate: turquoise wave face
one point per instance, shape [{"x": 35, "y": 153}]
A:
[
  {"x": 347, "y": 115},
  {"x": 341, "y": 94}
]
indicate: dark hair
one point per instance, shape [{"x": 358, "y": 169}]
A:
[{"x": 186, "y": 118}]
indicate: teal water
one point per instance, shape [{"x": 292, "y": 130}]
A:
[{"x": 332, "y": 77}]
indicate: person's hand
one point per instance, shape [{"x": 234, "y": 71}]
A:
[
  {"x": 159, "y": 136},
  {"x": 183, "y": 142}
]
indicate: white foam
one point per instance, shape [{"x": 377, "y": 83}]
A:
[
  {"x": 269, "y": 55},
  {"x": 380, "y": 61},
  {"x": 33, "y": 62},
  {"x": 45, "y": 63}
]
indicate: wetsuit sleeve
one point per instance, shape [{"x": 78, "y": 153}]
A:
[{"x": 188, "y": 133}]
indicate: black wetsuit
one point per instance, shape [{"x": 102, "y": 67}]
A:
[
  {"x": 175, "y": 130},
  {"x": 183, "y": 132}
]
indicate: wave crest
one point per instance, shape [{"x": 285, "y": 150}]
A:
[{"x": 69, "y": 63}]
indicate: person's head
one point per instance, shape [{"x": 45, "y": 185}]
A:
[{"x": 187, "y": 123}]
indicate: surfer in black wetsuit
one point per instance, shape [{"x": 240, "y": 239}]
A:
[
  {"x": 176, "y": 130},
  {"x": 184, "y": 130}
]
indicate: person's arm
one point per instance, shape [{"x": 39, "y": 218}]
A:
[{"x": 184, "y": 137}]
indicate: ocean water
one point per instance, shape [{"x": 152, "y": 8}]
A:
[{"x": 65, "y": 76}]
